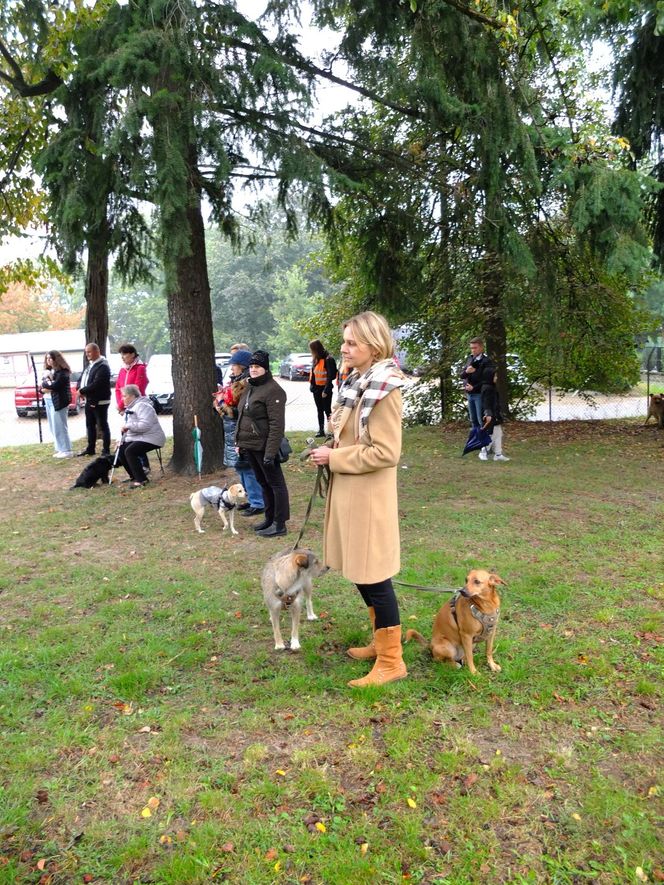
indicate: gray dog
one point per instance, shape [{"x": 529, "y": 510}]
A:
[{"x": 286, "y": 582}]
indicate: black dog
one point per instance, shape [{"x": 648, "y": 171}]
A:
[{"x": 95, "y": 471}]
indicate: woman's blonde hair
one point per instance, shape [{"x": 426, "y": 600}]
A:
[{"x": 372, "y": 330}]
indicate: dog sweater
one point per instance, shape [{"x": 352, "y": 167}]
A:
[{"x": 217, "y": 497}]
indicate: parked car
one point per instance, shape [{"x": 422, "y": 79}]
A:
[
  {"x": 115, "y": 363},
  {"x": 296, "y": 367},
  {"x": 160, "y": 385},
  {"x": 27, "y": 401}
]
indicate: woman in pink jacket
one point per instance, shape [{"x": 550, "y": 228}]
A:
[{"x": 134, "y": 371}]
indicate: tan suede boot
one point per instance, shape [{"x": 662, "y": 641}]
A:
[
  {"x": 366, "y": 652},
  {"x": 389, "y": 664}
]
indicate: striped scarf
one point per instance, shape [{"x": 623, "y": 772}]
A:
[{"x": 368, "y": 389}]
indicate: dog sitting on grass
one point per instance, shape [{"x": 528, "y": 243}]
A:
[{"x": 471, "y": 616}]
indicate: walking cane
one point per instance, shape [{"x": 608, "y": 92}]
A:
[{"x": 115, "y": 461}]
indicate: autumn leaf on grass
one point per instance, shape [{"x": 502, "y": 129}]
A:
[
  {"x": 411, "y": 803},
  {"x": 228, "y": 847},
  {"x": 165, "y": 840},
  {"x": 280, "y": 772},
  {"x": 271, "y": 854},
  {"x": 320, "y": 826},
  {"x": 153, "y": 803},
  {"x": 146, "y": 812}
]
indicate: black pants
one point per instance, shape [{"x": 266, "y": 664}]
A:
[
  {"x": 132, "y": 457},
  {"x": 97, "y": 417},
  {"x": 323, "y": 406},
  {"x": 275, "y": 490},
  {"x": 384, "y": 601}
]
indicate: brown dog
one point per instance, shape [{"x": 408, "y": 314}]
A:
[
  {"x": 656, "y": 409},
  {"x": 470, "y": 616}
]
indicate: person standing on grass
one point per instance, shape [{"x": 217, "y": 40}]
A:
[
  {"x": 361, "y": 531},
  {"x": 323, "y": 372},
  {"x": 237, "y": 382},
  {"x": 56, "y": 389},
  {"x": 134, "y": 371},
  {"x": 472, "y": 374},
  {"x": 95, "y": 386},
  {"x": 260, "y": 429}
]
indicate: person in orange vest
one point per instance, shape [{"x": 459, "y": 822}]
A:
[{"x": 323, "y": 372}]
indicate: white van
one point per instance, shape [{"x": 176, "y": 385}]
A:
[{"x": 160, "y": 381}]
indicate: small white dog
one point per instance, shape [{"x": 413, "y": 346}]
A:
[
  {"x": 286, "y": 581},
  {"x": 223, "y": 500}
]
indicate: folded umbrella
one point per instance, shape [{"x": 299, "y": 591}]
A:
[{"x": 478, "y": 438}]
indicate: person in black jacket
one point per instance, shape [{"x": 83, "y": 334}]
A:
[
  {"x": 56, "y": 389},
  {"x": 95, "y": 386},
  {"x": 260, "y": 429},
  {"x": 323, "y": 372},
  {"x": 472, "y": 375}
]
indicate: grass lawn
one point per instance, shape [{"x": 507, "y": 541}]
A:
[{"x": 150, "y": 733}]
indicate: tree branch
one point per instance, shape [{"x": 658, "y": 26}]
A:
[{"x": 45, "y": 86}]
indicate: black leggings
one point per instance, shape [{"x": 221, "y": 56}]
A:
[
  {"x": 323, "y": 406},
  {"x": 384, "y": 601}
]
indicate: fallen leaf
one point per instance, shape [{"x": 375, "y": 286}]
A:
[
  {"x": 576, "y": 816},
  {"x": 411, "y": 803},
  {"x": 146, "y": 812},
  {"x": 41, "y": 864},
  {"x": 42, "y": 796},
  {"x": 228, "y": 847},
  {"x": 238, "y": 614},
  {"x": 165, "y": 840},
  {"x": 88, "y": 877},
  {"x": 153, "y": 803},
  {"x": 320, "y": 826},
  {"x": 145, "y": 730},
  {"x": 271, "y": 854},
  {"x": 640, "y": 874},
  {"x": 653, "y": 791},
  {"x": 114, "y": 758},
  {"x": 280, "y": 772},
  {"x": 277, "y": 866},
  {"x": 364, "y": 847},
  {"x": 470, "y": 779}
]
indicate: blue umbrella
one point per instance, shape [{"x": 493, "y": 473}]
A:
[
  {"x": 198, "y": 446},
  {"x": 477, "y": 439}
]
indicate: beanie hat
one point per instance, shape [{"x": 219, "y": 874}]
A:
[
  {"x": 240, "y": 358},
  {"x": 260, "y": 358}
]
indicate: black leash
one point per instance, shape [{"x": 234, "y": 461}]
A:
[{"x": 321, "y": 485}]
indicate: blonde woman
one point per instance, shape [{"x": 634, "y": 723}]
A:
[{"x": 361, "y": 517}]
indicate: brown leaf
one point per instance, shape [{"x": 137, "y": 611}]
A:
[
  {"x": 228, "y": 847},
  {"x": 114, "y": 758},
  {"x": 88, "y": 877},
  {"x": 41, "y": 864},
  {"x": 271, "y": 854},
  {"x": 470, "y": 779},
  {"x": 42, "y": 796}
]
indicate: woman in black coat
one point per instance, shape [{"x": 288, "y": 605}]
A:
[
  {"x": 56, "y": 389},
  {"x": 260, "y": 429}
]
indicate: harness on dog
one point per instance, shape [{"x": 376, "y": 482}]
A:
[
  {"x": 217, "y": 497},
  {"x": 488, "y": 620}
]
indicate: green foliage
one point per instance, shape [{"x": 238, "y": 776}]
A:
[{"x": 292, "y": 310}]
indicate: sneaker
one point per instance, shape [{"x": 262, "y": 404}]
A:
[
  {"x": 483, "y": 454},
  {"x": 500, "y": 458},
  {"x": 243, "y": 506},
  {"x": 63, "y": 455}
]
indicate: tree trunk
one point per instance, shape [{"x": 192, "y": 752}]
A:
[
  {"x": 496, "y": 334},
  {"x": 192, "y": 346},
  {"x": 96, "y": 294}
]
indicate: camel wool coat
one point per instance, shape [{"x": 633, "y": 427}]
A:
[{"x": 361, "y": 535}]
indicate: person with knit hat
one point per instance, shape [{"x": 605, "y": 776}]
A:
[
  {"x": 361, "y": 531},
  {"x": 226, "y": 406},
  {"x": 260, "y": 429}
]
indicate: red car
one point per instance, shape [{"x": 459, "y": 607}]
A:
[{"x": 25, "y": 397}]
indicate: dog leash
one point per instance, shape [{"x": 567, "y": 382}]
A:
[
  {"x": 321, "y": 485},
  {"x": 428, "y": 589}
]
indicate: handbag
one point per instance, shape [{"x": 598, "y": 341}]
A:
[{"x": 285, "y": 450}]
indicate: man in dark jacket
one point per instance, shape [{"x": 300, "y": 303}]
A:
[
  {"x": 95, "y": 386},
  {"x": 477, "y": 364},
  {"x": 260, "y": 429}
]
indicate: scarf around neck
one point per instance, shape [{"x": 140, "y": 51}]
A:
[{"x": 367, "y": 389}]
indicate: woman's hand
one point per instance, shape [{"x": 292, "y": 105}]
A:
[{"x": 321, "y": 456}]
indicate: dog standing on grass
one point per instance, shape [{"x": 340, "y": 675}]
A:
[
  {"x": 471, "y": 616},
  {"x": 223, "y": 500},
  {"x": 287, "y": 583},
  {"x": 656, "y": 409}
]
